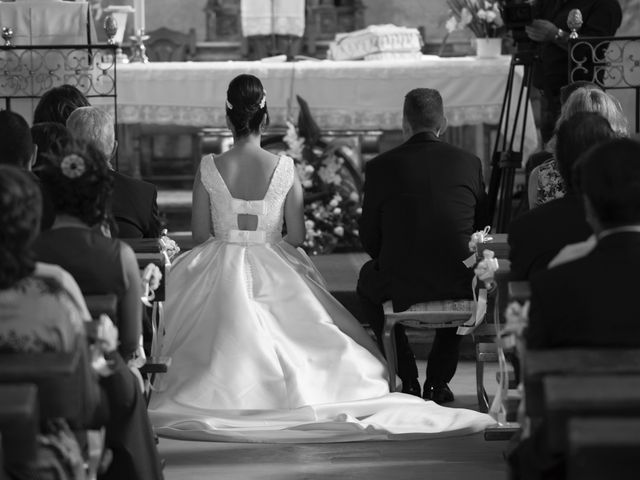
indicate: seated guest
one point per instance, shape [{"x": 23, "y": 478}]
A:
[
  {"x": 134, "y": 206},
  {"x": 39, "y": 314},
  {"x": 590, "y": 301},
  {"x": 545, "y": 181},
  {"x": 16, "y": 145},
  {"x": 80, "y": 186},
  {"x": 49, "y": 138},
  {"x": 571, "y": 302},
  {"x": 57, "y": 104},
  {"x": 537, "y": 236},
  {"x": 17, "y": 148}
]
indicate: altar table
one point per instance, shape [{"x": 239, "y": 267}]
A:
[{"x": 342, "y": 95}]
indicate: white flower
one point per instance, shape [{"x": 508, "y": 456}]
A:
[
  {"x": 354, "y": 197},
  {"x": 359, "y": 211},
  {"x": 334, "y": 203},
  {"x": 339, "y": 231},
  {"x": 337, "y": 211},
  {"x": 465, "y": 17},
  {"x": 309, "y": 224},
  {"x": 451, "y": 25},
  {"x": 72, "y": 166},
  {"x": 491, "y": 16},
  {"x": 356, "y": 232},
  {"x": 482, "y": 14},
  {"x": 309, "y": 169},
  {"x": 307, "y": 183}
]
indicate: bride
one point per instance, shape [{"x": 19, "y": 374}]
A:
[{"x": 260, "y": 350}]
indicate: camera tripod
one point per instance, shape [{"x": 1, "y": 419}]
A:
[{"x": 508, "y": 148}]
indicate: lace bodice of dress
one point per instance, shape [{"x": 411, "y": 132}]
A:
[{"x": 225, "y": 209}]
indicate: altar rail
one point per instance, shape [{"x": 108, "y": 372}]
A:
[
  {"x": 612, "y": 63},
  {"x": 27, "y": 72}
]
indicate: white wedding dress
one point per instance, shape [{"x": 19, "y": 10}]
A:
[{"x": 261, "y": 352}]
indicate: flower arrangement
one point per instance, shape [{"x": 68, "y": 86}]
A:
[
  {"x": 332, "y": 191},
  {"x": 482, "y": 17}
]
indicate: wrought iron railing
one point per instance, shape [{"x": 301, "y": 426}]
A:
[
  {"x": 610, "y": 62},
  {"x": 27, "y": 72}
]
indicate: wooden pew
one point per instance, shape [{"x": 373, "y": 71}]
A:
[
  {"x": 19, "y": 421},
  {"x": 539, "y": 364},
  {"x": 604, "y": 448},
  {"x": 569, "y": 396}
]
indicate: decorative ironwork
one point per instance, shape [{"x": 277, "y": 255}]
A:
[
  {"x": 610, "y": 62},
  {"x": 29, "y": 71}
]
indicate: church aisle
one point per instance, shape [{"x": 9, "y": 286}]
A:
[{"x": 436, "y": 459}]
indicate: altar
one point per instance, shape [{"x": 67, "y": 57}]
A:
[{"x": 342, "y": 95}]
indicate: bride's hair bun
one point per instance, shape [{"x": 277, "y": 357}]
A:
[{"x": 246, "y": 104}]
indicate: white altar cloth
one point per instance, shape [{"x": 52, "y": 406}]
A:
[{"x": 346, "y": 95}]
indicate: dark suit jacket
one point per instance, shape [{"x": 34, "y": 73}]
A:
[
  {"x": 538, "y": 235},
  {"x": 422, "y": 201},
  {"x": 134, "y": 207},
  {"x": 590, "y": 302}
]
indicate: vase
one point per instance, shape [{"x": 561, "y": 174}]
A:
[{"x": 488, "y": 47}]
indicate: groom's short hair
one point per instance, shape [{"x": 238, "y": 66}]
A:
[{"x": 423, "y": 109}]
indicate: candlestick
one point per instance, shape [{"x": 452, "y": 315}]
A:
[
  {"x": 139, "y": 15},
  {"x": 138, "y": 50}
]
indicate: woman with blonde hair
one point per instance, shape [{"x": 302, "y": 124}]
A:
[{"x": 545, "y": 182}]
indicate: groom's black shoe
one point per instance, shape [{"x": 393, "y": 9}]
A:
[
  {"x": 412, "y": 387},
  {"x": 439, "y": 393}
]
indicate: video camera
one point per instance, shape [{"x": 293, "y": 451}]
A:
[{"x": 517, "y": 14}]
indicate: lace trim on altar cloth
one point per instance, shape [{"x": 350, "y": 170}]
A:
[{"x": 329, "y": 119}]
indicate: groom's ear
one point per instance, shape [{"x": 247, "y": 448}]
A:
[{"x": 443, "y": 126}]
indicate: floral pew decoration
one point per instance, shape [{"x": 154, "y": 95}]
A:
[{"x": 484, "y": 270}]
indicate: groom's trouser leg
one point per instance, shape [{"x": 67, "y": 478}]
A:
[
  {"x": 443, "y": 358},
  {"x": 372, "y": 294}
]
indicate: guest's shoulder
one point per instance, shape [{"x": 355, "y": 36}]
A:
[{"x": 121, "y": 179}]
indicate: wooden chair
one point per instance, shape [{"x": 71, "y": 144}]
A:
[
  {"x": 431, "y": 315},
  {"x": 166, "y": 45},
  {"x": 603, "y": 448}
]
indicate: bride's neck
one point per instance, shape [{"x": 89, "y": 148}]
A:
[{"x": 251, "y": 140}]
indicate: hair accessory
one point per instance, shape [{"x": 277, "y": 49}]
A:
[
  {"x": 72, "y": 166},
  {"x": 229, "y": 106},
  {"x": 263, "y": 102}
]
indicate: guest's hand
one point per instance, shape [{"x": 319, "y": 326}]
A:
[
  {"x": 106, "y": 334},
  {"x": 541, "y": 31}
]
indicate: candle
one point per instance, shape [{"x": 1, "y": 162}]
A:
[{"x": 139, "y": 16}]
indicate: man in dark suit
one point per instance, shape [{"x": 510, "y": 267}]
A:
[
  {"x": 589, "y": 301},
  {"x": 134, "y": 202},
  {"x": 537, "y": 236},
  {"x": 422, "y": 201}
]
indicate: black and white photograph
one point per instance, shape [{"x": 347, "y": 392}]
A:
[{"x": 319, "y": 239}]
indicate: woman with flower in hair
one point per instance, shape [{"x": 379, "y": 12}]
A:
[
  {"x": 79, "y": 184},
  {"x": 260, "y": 349}
]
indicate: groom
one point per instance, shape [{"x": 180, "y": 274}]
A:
[{"x": 422, "y": 201}]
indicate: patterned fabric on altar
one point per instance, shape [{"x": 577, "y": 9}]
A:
[
  {"x": 266, "y": 17},
  {"x": 261, "y": 352}
]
